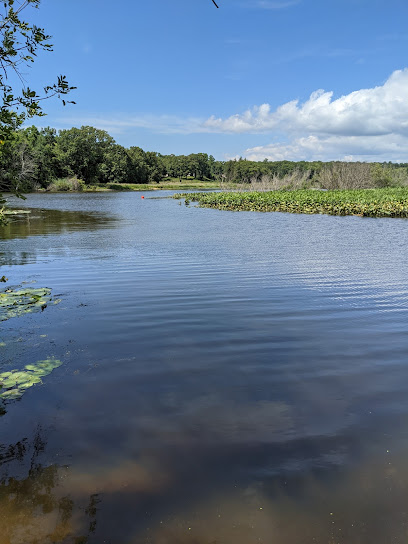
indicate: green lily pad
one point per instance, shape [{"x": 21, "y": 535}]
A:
[
  {"x": 16, "y": 382},
  {"x": 28, "y": 300},
  {"x": 30, "y": 382},
  {"x": 12, "y": 394}
]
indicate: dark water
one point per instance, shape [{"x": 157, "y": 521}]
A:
[{"x": 229, "y": 378}]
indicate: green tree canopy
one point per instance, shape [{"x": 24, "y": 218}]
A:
[{"x": 83, "y": 150}]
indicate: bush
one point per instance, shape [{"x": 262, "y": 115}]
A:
[
  {"x": 66, "y": 184},
  {"x": 117, "y": 187}
]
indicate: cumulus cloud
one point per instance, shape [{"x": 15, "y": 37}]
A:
[
  {"x": 368, "y": 124},
  {"x": 378, "y": 111},
  {"x": 344, "y": 148}
]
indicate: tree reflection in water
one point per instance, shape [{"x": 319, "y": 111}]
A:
[
  {"x": 42, "y": 222},
  {"x": 36, "y": 509}
]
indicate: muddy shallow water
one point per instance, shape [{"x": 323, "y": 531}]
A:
[{"x": 227, "y": 378}]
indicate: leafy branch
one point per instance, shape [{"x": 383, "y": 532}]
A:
[{"x": 19, "y": 46}]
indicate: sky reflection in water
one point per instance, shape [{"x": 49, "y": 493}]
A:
[{"x": 227, "y": 377}]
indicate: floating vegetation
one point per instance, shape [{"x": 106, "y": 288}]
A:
[
  {"x": 24, "y": 301},
  {"x": 363, "y": 202},
  {"x": 15, "y": 212},
  {"x": 14, "y": 384}
]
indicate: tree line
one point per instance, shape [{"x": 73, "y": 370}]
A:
[{"x": 33, "y": 158}]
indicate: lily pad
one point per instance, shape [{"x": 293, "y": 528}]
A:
[
  {"x": 24, "y": 301},
  {"x": 14, "y": 383},
  {"x": 12, "y": 394}
]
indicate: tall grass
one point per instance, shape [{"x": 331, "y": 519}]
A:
[
  {"x": 65, "y": 185},
  {"x": 331, "y": 176},
  {"x": 297, "y": 179}
]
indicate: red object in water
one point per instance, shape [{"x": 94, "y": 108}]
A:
[{"x": 142, "y": 196}]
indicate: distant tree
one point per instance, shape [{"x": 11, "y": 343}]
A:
[
  {"x": 199, "y": 165},
  {"x": 139, "y": 166},
  {"x": 82, "y": 152},
  {"x": 116, "y": 165},
  {"x": 34, "y": 160},
  {"x": 17, "y": 165},
  {"x": 217, "y": 169},
  {"x": 155, "y": 166},
  {"x": 46, "y": 157}
]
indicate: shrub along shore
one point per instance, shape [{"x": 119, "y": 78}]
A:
[{"x": 384, "y": 202}]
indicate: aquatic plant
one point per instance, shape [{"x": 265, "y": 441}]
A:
[
  {"x": 385, "y": 202},
  {"x": 14, "y": 383},
  {"x": 24, "y": 301}
]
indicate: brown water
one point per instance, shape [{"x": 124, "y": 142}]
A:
[{"x": 229, "y": 378}]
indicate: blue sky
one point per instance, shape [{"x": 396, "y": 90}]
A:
[{"x": 180, "y": 76}]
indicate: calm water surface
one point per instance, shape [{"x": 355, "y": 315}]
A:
[{"x": 229, "y": 378}]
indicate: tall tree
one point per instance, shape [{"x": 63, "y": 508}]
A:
[{"x": 83, "y": 151}]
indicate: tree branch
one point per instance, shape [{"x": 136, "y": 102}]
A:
[{"x": 213, "y": 1}]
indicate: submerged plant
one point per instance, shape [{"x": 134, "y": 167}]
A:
[
  {"x": 14, "y": 383},
  {"x": 23, "y": 301}
]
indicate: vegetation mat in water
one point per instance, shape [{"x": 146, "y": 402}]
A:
[
  {"x": 363, "y": 202},
  {"x": 24, "y": 301},
  {"x": 14, "y": 384}
]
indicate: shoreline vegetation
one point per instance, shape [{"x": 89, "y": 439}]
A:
[
  {"x": 87, "y": 160},
  {"x": 76, "y": 185},
  {"x": 385, "y": 202}
]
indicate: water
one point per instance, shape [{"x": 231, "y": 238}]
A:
[{"x": 228, "y": 378}]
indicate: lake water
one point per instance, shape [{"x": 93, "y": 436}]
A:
[{"x": 229, "y": 378}]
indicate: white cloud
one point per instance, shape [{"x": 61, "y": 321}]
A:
[
  {"x": 378, "y": 111},
  {"x": 120, "y": 123},
  {"x": 369, "y": 124},
  {"x": 333, "y": 147}
]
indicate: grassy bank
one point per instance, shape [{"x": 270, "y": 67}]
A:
[
  {"x": 75, "y": 185},
  {"x": 161, "y": 185},
  {"x": 363, "y": 202}
]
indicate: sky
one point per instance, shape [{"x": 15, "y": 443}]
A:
[{"x": 276, "y": 79}]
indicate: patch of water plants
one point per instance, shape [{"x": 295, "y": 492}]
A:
[
  {"x": 385, "y": 202},
  {"x": 14, "y": 384},
  {"x": 23, "y": 301}
]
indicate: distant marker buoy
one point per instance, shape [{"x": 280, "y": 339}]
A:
[{"x": 142, "y": 196}]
